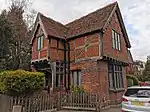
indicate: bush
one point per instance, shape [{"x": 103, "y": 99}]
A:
[
  {"x": 132, "y": 80},
  {"x": 20, "y": 82},
  {"x": 129, "y": 82},
  {"x": 77, "y": 89}
]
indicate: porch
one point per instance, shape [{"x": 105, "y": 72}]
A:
[{"x": 55, "y": 75}]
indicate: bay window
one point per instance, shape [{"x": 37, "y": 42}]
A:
[{"x": 115, "y": 76}]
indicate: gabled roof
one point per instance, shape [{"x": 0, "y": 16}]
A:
[
  {"x": 93, "y": 21},
  {"x": 53, "y": 28},
  {"x": 50, "y": 27}
]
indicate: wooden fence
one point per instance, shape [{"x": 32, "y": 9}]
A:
[
  {"x": 35, "y": 103},
  {"x": 81, "y": 101},
  {"x": 38, "y": 103}
]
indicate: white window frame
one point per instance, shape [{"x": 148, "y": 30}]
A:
[
  {"x": 116, "y": 40},
  {"x": 40, "y": 42}
]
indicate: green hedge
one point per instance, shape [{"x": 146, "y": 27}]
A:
[
  {"x": 21, "y": 82},
  {"x": 132, "y": 80}
]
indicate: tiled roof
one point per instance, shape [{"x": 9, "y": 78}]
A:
[
  {"x": 53, "y": 28},
  {"x": 93, "y": 21}
]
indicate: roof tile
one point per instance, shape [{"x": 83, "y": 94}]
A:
[
  {"x": 93, "y": 21},
  {"x": 53, "y": 28}
]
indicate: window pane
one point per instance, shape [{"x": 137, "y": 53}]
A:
[
  {"x": 110, "y": 68},
  {"x": 113, "y": 39},
  {"x": 110, "y": 80},
  {"x": 119, "y": 43},
  {"x": 79, "y": 75},
  {"x": 116, "y": 38},
  {"x": 75, "y": 78},
  {"x": 41, "y": 42},
  {"x": 38, "y": 43},
  {"x": 115, "y": 80},
  {"x": 61, "y": 79},
  {"x": 121, "y": 80},
  {"x": 57, "y": 80},
  {"x": 118, "y": 80}
]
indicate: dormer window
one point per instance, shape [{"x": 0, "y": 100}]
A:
[
  {"x": 116, "y": 42},
  {"x": 40, "y": 42}
]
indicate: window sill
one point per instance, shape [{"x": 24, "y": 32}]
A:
[{"x": 117, "y": 90}]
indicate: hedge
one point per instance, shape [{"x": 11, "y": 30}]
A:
[
  {"x": 132, "y": 80},
  {"x": 21, "y": 82}
]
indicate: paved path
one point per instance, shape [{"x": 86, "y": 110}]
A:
[
  {"x": 108, "y": 110},
  {"x": 113, "y": 110}
]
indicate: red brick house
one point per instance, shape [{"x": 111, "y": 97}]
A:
[{"x": 91, "y": 52}]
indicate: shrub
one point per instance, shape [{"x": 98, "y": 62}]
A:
[
  {"x": 20, "y": 82},
  {"x": 132, "y": 80},
  {"x": 129, "y": 82},
  {"x": 77, "y": 89}
]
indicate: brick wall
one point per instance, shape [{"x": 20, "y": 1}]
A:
[
  {"x": 84, "y": 47},
  {"x": 56, "y": 49},
  {"x": 95, "y": 78},
  {"x": 107, "y": 41}
]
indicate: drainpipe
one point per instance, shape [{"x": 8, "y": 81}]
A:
[
  {"x": 65, "y": 52},
  {"x": 68, "y": 62},
  {"x": 68, "y": 65}
]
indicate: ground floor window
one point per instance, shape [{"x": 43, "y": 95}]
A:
[
  {"x": 76, "y": 78},
  {"x": 115, "y": 76},
  {"x": 60, "y": 77},
  {"x": 59, "y": 80}
]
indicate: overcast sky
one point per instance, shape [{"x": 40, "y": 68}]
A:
[{"x": 136, "y": 15}]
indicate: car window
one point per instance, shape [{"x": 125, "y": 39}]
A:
[{"x": 138, "y": 92}]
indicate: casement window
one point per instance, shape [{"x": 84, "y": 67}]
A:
[
  {"x": 116, "y": 42},
  {"x": 115, "y": 76},
  {"x": 76, "y": 77},
  {"x": 40, "y": 42},
  {"x": 60, "y": 74}
]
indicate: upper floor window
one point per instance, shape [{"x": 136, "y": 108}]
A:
[
  {"x": 40, "y": 42},
  {"x": 116, "y": 42}
]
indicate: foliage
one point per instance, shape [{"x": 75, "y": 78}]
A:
[
  {"x": 5, "y": 39},
  {"x": 20, "y": 82},
  {"x": 77, "y": 89},
  {"x": 129, "y": 82},
  {"x": 132, "y": 80},
  {"x": 146, "y": 72},
  {"x": 16, "y": 35}
]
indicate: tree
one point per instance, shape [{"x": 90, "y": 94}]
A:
[
  {"x": 20, "y": 46},
  {"x": 5, "y": 39},
  {"x": 146, "y": 72}
]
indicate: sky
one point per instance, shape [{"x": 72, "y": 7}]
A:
[{"x": 136, "y": 16}]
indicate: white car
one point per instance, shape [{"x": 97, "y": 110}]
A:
[{"x": 136, "y": 99}]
